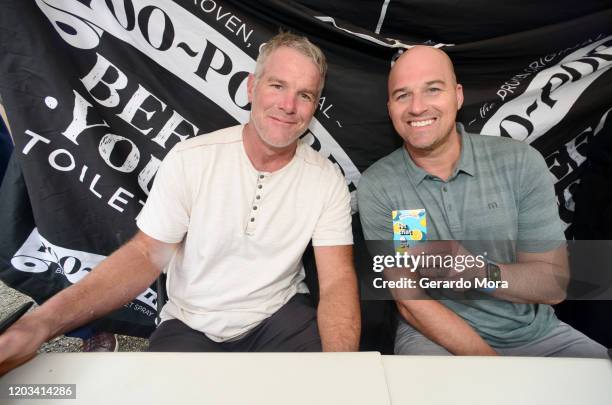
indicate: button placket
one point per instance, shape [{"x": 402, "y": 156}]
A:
[
  {"x": 452, "y": 214},
  {"x": 255, "y": 204}
]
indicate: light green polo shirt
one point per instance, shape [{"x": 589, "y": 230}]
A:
[{"x": 499, "y": 199}]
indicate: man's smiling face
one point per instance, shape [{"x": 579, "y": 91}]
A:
[
  {"x": 424, "y": 98},
  {"x": 284, "y": 99}
]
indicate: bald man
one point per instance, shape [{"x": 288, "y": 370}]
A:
[{"x": 490, "y": 199}]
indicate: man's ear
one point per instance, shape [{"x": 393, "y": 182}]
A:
[
  {"x": 251, "y": 86},
  {"x": 459, "y": 92}
]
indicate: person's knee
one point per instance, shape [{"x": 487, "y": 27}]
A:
[
  {"x": 584, "y": 346},
  {"x": 408, "y": 341},
  {"x": 420, "y": 347}
]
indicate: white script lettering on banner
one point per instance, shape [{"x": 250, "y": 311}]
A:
[
  {"x": 184, "y": 45},
  {"x": 551, "y": 94},
  {"x": 38, "y": 255}
]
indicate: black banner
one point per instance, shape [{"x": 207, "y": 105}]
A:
[{"x": 98, "y": 91}]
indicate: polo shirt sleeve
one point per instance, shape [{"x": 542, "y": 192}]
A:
[
  {"x": 334, "y": 225},
  {"x": 374, "y": 211},
  {"x": 375, "y": 214},
  {"x": 539, "y": 227},
  {"x": 166, "y": 213}
]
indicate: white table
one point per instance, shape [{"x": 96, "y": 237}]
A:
[
  {"x": 316, "y": 379},
  {"x": 498, "y": 380},
  {"x": 209, "y": 378}
]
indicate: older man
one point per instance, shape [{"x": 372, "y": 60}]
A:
[
  {"x": 229, "y": 217},
  {"x": 496, "y": 195}
]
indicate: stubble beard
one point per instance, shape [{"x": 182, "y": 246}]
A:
[
  {"x": 435, "y": 144},
  {"x": 261, "y": 134}
]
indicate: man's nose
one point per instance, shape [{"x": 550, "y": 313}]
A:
[
  {"x": 417, "y": 105},
  {"x": 288, "y": 103}
]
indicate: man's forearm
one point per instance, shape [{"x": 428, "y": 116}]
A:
[
  {"x": 339, "y": 317},
  {"x": 116, "y": 281},
  {"x": 434, "y": 320},
  {"x": 540, "y": 278},
  {"x": 533, "y": 282},
  {"x": 444, "y": 327}
]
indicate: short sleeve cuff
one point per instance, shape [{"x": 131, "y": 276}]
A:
[
  {"x": 146, "y": 226},
  {"x": 332, "y": 242}
]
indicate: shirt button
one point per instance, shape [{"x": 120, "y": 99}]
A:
[
  {"x": 252, "y": 219},
  {"x": 444, "y": 189},
  {"x": 260, "y": 186},
  {"x": 255, "y": 207},
  {"x": 261, "y": 176},
  {"x": 257, "y": 197}
]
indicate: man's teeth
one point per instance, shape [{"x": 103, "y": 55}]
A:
[{"x": 421, "y": 123}]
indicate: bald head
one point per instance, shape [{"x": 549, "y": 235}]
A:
[
  {"x": 424, "y": 98},
  {"x": 428, "y": 58}
]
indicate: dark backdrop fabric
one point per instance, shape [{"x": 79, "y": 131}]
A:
[
  {"x": 98, "y": 91},
  {"x": 6, "y": 148}
]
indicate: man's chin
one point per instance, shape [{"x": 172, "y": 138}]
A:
[
  {"x": 423, "y": 146},
  {"x": 418, "y": 142},
  {"x": 279, "y": 142}
]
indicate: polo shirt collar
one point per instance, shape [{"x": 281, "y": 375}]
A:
[
  {"x": 414, "y": 172},
  {"x": 466, "y": 160}
]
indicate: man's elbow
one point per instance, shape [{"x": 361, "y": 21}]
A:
[
  {"x": 158, "y": 254},
  {"x": 558, "y": 293},
  {"x": 556, "y": 297}
]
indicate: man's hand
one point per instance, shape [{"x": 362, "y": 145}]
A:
[
  {"x": 113, "y": 283},
  {"x": 20, "y": 342}
]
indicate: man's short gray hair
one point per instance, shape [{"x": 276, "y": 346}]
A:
[{"x": 300, "y": 44}]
